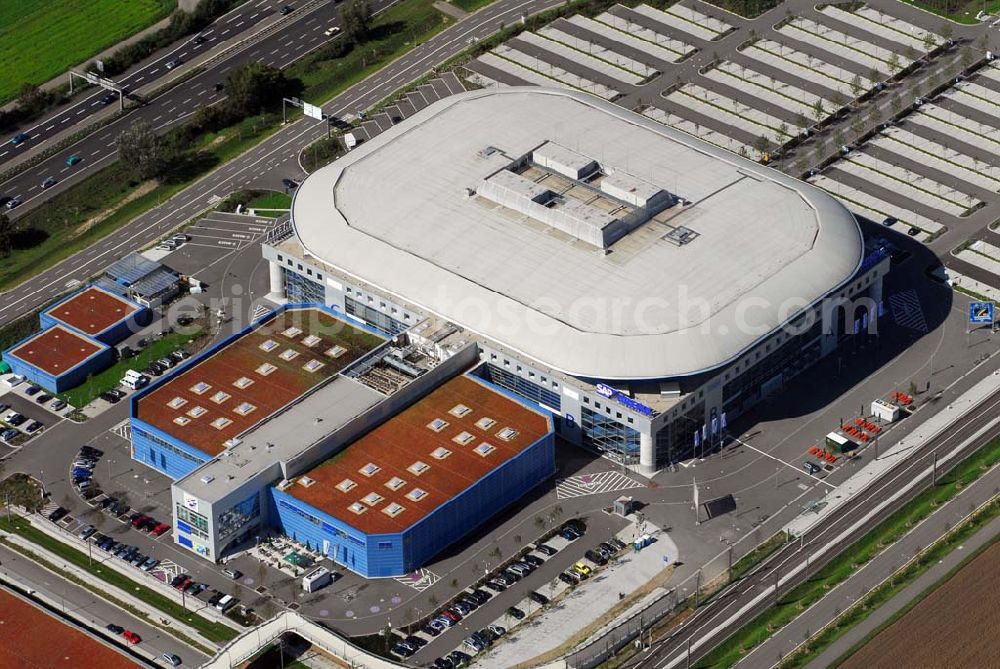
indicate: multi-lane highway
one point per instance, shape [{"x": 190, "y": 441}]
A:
[
  {"x": 278, "y": 153},
  {"x": 795, "y": 563},
  {"x": 279, "y": 44},
  {"x": 221, "y": 34}
]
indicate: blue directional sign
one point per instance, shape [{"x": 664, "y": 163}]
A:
[{"x": 981, "y": 312}]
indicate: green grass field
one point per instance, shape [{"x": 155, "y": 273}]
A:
[
  {"x": 272, "y": 200},
  {"x": 40, "y": 40}
]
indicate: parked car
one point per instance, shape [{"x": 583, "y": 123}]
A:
[
  {"x": 232, "y": 573},
  {"x": 171, "y": 659},
  {"x": 86, "y": 532},
  {"x": 618, "y": 543},
  {"x": 568, "y": 578},
  {"x": 534, "y": 560},
  {"x": 595, "y": 557},
  {"x": 159, "y": 529},
  {"x": 138, "y": 519},
  {"x": 568, "y": 534},
  {"x": 58, "y": 405},
  {"x": 288, "y": 183},
  {"x": 43, "y": 398},
  {"x": 515, "y": 613},
  {"x": 582, "y": 569},
  {"x": 114, "y": 629},
  {"x": 110, "y": 397},
  {"x": 452, "y": 615},
  {"x": 474, "y": 644},
  {"x": 497, "y": 630},
  {"x": 138, "y": 560},
  {"x": 458, "y": 657},
  {"x": 131, "y": 637},
  {"x": 430, "y": 630},
  {"x": 32, "y": 390},
  {"x": 495, "y": 585},
  {"x": 443, "y": 663},
  {"x": 17, "y": 419},
  {"x": 177, "y": 580},
  {"x": 402, "y": 650},
  {"x": 8, "y": 434},
  {"x": 149, "y": 564},
  {"x": 57, "y": 514},
  {"x": 415, "y": 641},
  {"x": 545, "y": 549},
  {"x": 538, "y": 598},
  {"x": 481, "y": 596},
  {"x": 444, "y": 620},
  {"x": 91, "y": 452},
  {"x": 34, "y": 426}
]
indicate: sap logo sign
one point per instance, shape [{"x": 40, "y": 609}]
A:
[{"x": 605, "y": 391}]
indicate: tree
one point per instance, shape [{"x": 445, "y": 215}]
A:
[
  {"x": 255, "y": 86},
  {"x": 856, "y": 87},
  {"x": 858, "y": 127},
  {"x": 782, "y": 132},
  {"x": 761, "y": 144},
  {"x": 967, "y": 57},
  {"x": 910, "y": 53},
  {"x": 929, "y": 42},
  {"x": 896, "y": 103},
  {"x": 893, "y": 63},
  {"x": 142, "y": 151},
  {"x": 947, "y": 30},
  {"x": 6, "y": 236},
  {"x": 356, "y": 17},
  {"x": 818, "y": 112}
]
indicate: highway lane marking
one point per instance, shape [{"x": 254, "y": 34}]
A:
[
  {"x": 81, "y": 112},
  {"x": 138, "y": 79},
  {"x": 50, "y": 127},
  {"x": 65, "y": 120},
  {"x": 157, "y": 118},
  {"x": 419, "y": 63},
  {"x": 273, "y": 52}
]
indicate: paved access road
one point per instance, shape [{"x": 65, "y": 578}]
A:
[
  {"x": 90, "y": 609},
  {"x": 755, "y": 593},
  {"x": 280, "y": 149},
  {"x": 221, "y": 33},
  {"x": 280, "y": 45}
]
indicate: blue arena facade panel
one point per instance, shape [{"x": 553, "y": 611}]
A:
[
  {"x": 395, "y": 554},
  {"x": 164, "y": 453}
]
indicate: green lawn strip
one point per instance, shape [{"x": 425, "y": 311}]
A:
[
  {"x": 110, "y": 377},
  {"x": 211, "y": 630},
  {"x": 962, "y": 15},
  {"x": 64, "y": 33},
  {"x": 971, "y": 293},
  {"x": 272, "y": 200},
  {"x": 729, "y": 111},
  {"x": 393, "y": 33},
  {"x": 52, "y": 233},
  {"x": 59, "y": 222},
  {"x": 758, "y": 555},
  {"x": 847, "y": 562},
  {"x": 901, "y": 579}
]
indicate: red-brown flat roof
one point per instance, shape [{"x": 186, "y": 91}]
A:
[
  {"x": 32, "y": 639},
  {"x": 405, "y": 439},
  {"x": 56, "y": 350},
  {"x": 93, "y": 310},
  {"x": 335, "y": 344}
]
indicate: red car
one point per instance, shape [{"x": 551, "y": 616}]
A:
[
  {"x": 139, "y": 520},
  {"x": 131, "y": 636},
  {"x": 183, "y": 584},
  {"x": 160, "y": 529},
  {"x": 451, "y": 615}
]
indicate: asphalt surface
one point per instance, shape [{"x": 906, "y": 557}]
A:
[
  {"x": 92, "y": 611},
  {"x": 716, "y": 617},
  {"x": 278, "y": 153},
  {"x": 282, "y": 43},
  {"x": 78, "y": 113}
]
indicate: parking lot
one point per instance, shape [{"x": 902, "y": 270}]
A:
[
  {"x": 938, "y": 163},
  {"x": 25, "y": 411}
]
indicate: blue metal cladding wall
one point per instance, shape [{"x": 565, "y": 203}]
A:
[
  {"x": 380, "y": 555},
  {"x": 157, "y": 449},
  {"x": 348, "y": 547},
  {"x": 114, "y": 334},
  {"x": 71, "y": 378},
  {"x": 492, "y": 494}
]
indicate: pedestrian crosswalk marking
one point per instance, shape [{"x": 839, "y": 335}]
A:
[
  {"x": 419, "y": 580},
  {"x": 594, "y": 484},
  {"x": 906, "y": 310}
]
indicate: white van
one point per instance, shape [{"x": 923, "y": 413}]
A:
[
  {"x": 134, "y": 379},
  {"x": 226, "y": 603}
]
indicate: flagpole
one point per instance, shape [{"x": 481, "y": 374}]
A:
[{"x": 694, "y": 482}]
